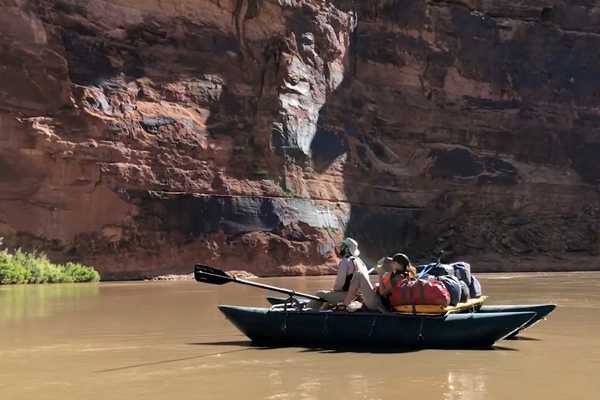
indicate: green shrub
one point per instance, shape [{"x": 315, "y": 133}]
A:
[
  {"x": 80, "y": 273},
  {"x": 24, "y": 267},
  {"x": 11, "y": 271}
]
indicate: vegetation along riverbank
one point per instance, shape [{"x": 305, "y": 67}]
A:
[{"x": 20, "y": 267}]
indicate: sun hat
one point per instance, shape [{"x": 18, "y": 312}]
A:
[{"x": 351, "y": 245}]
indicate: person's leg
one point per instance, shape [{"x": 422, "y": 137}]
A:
[
  {"x": 355, "y": 285},
  {"x": 334, "y": 297},
  {"x": 316, "y": 304},
  {"x": 371, "y": 299},
  {"x": 331, "y": 297}
]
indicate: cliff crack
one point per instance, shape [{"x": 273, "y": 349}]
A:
[
  {"x": 239, "y": 14},
  {"x": 245, "y": 10},
  {"x": 423, "y": 82}
]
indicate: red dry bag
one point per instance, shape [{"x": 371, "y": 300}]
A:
[{"x": 419, "y": 292}]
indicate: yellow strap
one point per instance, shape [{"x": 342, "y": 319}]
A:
[{"x": 432, "y": 309}]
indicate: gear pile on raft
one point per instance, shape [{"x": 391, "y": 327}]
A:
[
  {"x": 434, "y": 305},
  {"x": 401, "y": 287}
]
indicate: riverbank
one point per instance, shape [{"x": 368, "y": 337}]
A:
[
  {"x": 480, "y": 263},
  {"x": 190, "y": 277}
]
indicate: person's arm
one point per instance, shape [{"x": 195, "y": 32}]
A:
[
  {"x": 385, "y": 291},
  {"x": 380, "y": 273},
  {"x": 340, "y": 278}
]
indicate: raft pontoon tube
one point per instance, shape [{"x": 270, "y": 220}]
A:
[{"x": 279, "y": 327}]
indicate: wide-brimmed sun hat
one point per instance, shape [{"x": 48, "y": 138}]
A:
[{"x": 351, "y": 245}]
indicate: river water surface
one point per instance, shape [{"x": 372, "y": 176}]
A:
[{"x": 167, "y": 340}]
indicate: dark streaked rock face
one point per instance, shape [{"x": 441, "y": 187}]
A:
[
  {"x": 462, "y": 165},
  {"x": 143, "y": 137},
  {"x": 204, "y": 215}
]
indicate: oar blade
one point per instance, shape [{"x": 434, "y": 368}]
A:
[{"x": 206, "y": 274}]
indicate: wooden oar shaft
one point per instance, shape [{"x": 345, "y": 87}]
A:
[{"x": 264, "y": 286}]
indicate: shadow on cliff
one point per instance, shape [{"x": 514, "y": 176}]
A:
[{"x": 347, "y": 129}]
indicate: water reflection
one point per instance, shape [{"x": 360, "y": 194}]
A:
[
  {"x": 287, "y": 386},
  {"x": 465, "y": 386},
  {"x": 21, "y": 302}
]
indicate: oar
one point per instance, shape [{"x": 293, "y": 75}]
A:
[{"x": 214, "y": 276}]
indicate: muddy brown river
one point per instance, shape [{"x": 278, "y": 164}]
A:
[{"x": 167, "y": 340}]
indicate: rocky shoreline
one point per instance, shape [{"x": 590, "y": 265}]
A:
[{"x": 190, "y": 277}]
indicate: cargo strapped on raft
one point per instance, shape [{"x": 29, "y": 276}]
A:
[{"x": 472, "y": 304}]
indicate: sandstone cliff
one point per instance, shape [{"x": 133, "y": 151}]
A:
[{"x": 141, "y": 136}]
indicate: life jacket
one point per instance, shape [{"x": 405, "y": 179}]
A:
[
  {"x": 419, "y": 292},
  {"x": 389, "y": 281},
  {"x": 386, "y": 282}
]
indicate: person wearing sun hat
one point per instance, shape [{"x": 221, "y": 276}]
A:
[{"x": 352, "y": 279}]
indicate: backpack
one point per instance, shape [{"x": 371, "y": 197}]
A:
[
  {"x": 462, "y": 271},
  {"x": 465, "y": 293},
  {"x": 438, "y": 270},
  {"x": 475, "y": 288},
  {"x": 470, "y": 285},
  {"x": 454, "y": 288},
  {"x": 419, "y": 292}
]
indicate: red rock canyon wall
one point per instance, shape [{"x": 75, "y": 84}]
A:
[{"x": 143, "y": 136}]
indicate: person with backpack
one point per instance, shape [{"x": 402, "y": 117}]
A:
[
  {"x": 399, "y": 284},
  {"x": 352, "y": 280},
  {"x": 392, "y": 270}
]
